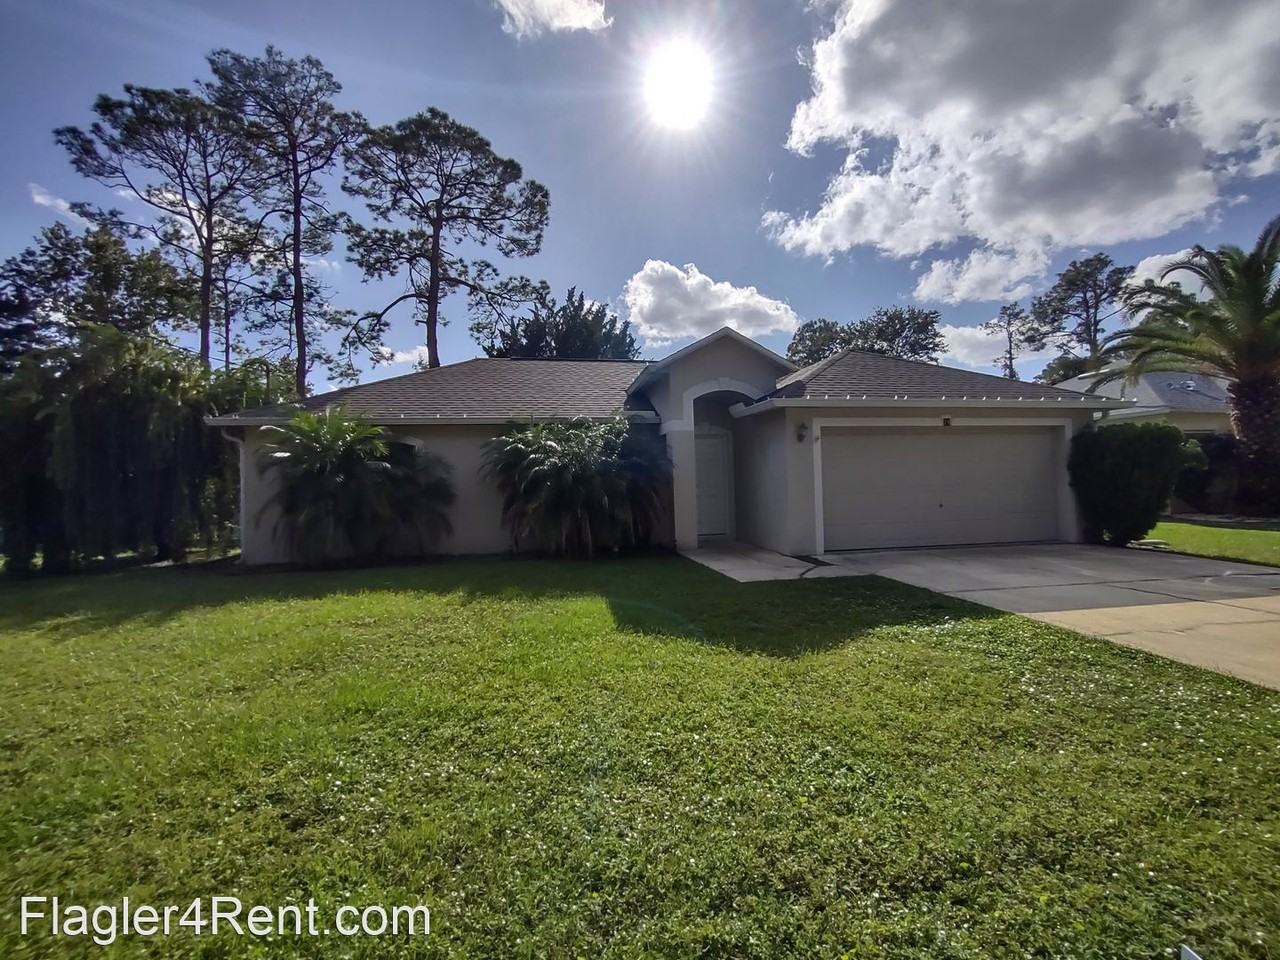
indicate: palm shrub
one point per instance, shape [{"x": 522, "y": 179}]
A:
[
  {"x": 577, "y": 487},
  {"x": 1233, "y": 333},
  {"x": 1123, "y": 476},
  {"x": 346, "y": 490}
]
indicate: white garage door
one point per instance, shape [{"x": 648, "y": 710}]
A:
[{"x": 950, "y": 485}]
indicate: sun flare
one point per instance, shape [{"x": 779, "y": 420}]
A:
[{"x": 678, "y": 85}]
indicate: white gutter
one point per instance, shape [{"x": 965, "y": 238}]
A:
[
  {"x": 1024, "y": 403},
  {"x": 232, "y": 420}
]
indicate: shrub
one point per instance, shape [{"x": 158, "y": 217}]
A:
[
  {"x": 1123, "y": 476},
  {"x": 581, "y": 486},
  {"x": 1210, "y": 485},
  {"x": 106, "y": 452},
  {"x": 346, "y": 489}
]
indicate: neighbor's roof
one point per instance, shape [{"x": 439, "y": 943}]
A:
[
  {"x": 854, "y": 375},
  {"x": 1196, "y": 392},
  {"x": 481, "y": 390}
]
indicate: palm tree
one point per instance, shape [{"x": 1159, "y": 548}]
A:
[
  {"x": 346, "y": 488},
  {"x": 578, "y": 487},
  {"x": 1233, "y": 333}
]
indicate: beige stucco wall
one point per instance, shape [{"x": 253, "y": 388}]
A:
[
  {"x": 760, "y": 478},
  {"x": 1187, "y": 422},
  {"x": 260, "y": 541},
  {"x": 476, "y": 513},
  {"x": 801, "y": 534},
  {"x": 722, "y": 367}
]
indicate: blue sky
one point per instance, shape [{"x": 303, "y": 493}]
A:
[{"x": 856, "y": 153}]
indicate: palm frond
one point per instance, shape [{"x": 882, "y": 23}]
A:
[
  {"x": 577, "y": 487},
  {"x": 1232, "y": 332},
  {"x": 342, "y": 491}
]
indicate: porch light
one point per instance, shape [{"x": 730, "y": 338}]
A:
[{"x": 802, "y": 431}]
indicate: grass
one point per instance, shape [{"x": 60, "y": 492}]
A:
[
  {"x": 1252, "y": 544},
  {"x": 625, "y": 759}
]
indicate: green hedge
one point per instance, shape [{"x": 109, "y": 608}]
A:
[
  {"x": 1123, "y": 476},
  {"x": 1210, "y": 484}
]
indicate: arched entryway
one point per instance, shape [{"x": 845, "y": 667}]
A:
[{"x": 714, "y": 464}]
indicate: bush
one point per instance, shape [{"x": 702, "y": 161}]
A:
[
  {"x": 107, "y": 453},
  {"x": 1210, "y": 485},
  {"x": 579, "y": 487},
  {"x": 347, "y": 489},
  {"x": 1123, "y": 476}
]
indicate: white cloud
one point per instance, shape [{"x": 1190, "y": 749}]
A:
[
  {"x": 1151, "y": 268},
  {"x": 1031, "y": 127},
  {"x": 42, "y": 197},
  {"x": 528, "y": 18},
  {"x": 985, "y": 274},
  {"x": 977, "y": 349},
  {"x": 668, "y": 303},
  {"x": 416, "y": 356},
  {"x": 969, "y": 346}
]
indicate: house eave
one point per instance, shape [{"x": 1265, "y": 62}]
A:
[
  {"x": 993, "y": 403},
  {"x": 231, "y": 420}
]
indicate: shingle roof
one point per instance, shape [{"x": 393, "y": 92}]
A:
[
  {"x": 1167, "y": 391},
  {"x": 482, "y": 389},
  {"x": 855, "y": 374}
]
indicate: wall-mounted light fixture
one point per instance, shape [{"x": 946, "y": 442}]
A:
[{"x": 802, "y": 431}]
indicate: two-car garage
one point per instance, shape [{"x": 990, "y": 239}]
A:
[{"x": 909, "y": 486}]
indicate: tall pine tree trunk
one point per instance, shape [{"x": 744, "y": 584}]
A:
[
  {"x": 299, "y": 290},
  {"x": 226, "y": 325},
  {"x": 206, "y": 304},
  {"x": 433, "y": 300},
  {"x": 1255, "y": 416}
]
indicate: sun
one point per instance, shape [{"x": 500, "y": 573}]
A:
[{"x": 678, "y": 84}]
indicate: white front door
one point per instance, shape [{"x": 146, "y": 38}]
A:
[{"x": 712, "y": 456}]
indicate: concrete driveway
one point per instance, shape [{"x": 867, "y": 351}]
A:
[{"x": 1211, "y": 613}]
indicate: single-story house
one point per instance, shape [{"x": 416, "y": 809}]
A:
[
  {"x": 1193, "y": 402},
  {"x": 858, "y": 451}
]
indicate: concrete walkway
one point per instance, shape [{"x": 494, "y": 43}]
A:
[
  {"x": 748, "y": 564},
  {"x": 1211, "y": 613}
]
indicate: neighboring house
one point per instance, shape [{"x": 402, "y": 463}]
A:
[
  {"x": 1194, "y": 402},
  {"x": 855, "y": 452}
]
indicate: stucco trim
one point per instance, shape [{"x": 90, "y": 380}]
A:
[
  {"x": 648, "y": 373},
  {"x": 1066, "y": 510},
  {"x": 701, "y": 390}
]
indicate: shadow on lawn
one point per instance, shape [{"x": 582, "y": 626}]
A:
[{"x": 656, "y": 595}]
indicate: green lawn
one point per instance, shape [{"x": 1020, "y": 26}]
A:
[
  {"x": 629, "y": 758},
  {"x": 1251, "y": 544}
]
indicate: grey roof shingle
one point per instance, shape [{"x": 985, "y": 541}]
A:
[
  {"x": 1173, "y": 391},
  {"x": 856, "y": 374},
  {"x": 481, "y": 389}
]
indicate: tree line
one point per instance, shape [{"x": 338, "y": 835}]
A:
[
  {"x": 230, "y": 183},
  {"x": 1070, "y": 317},
  {"x": 225, "y": 215}
]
